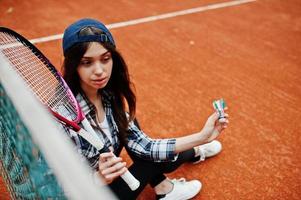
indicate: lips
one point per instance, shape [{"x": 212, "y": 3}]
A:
[{"x": 99, "y": 81}]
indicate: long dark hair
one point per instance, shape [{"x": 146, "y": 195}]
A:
[{"x": 119, "y": 84}]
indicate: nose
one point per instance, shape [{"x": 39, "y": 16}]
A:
[{"x": 98, "y": 68}]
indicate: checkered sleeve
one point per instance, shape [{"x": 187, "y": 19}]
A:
[
  {"x": 157, "y": 150},
  {"x": 86, "y": 151}
]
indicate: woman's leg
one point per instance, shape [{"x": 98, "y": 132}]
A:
[{"x": 148, "y": 172}]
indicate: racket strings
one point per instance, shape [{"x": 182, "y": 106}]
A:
[
  {"x": 32, "y": 75},
  {"x": 35, "y": 70},
  {"x": 35, "y": 76}
]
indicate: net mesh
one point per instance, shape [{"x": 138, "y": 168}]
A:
[{"x": 23, "y": 166}]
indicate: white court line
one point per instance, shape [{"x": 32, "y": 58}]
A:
[{"x": 155, "y": 18}]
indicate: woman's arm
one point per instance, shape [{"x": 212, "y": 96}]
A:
[
  {"x": 159, "y": 150},
  {"x": 210, "y": 131}
]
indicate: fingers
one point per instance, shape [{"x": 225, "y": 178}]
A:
[
  {"x": 103, "y": 157},
  {"x": 226, "y": 117},
  {"x": 114, "y": 167},
  {"x": 224, "y": 125},
  {"x": 215, "y": 117},
  {"x": 111, "y": 176},
  {"x": 110, "y": 166},
  {"x": 222, "y": 122},
  {"x": 107, "y": 160}
]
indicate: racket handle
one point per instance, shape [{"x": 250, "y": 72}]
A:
[
  {"x": 130, "y": 180},
  {"x": 88, "y": 127}
]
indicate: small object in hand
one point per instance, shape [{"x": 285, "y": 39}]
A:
[{"x": 219, "y": 106}]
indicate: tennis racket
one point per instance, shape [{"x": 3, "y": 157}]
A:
[{"x": 50, "y": 88}]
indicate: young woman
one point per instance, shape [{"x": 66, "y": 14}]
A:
[{"x": 98, "y": 76}]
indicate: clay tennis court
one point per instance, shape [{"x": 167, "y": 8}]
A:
[{"x": 249, "y": 54}]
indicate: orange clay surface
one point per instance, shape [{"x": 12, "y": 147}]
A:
[{"x": 248, "y": 54}]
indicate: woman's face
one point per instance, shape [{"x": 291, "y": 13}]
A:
[{"x": 95, "y": 68}]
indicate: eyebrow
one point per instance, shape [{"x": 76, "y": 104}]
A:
[{"x": 99, "y": 56}]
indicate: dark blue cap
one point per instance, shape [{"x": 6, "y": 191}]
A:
[{"x": 72, "y": 36}]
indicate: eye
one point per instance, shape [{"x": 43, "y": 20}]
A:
[
  {"x": 106, "y": 58},
  {"x": 85, "y": 62}
]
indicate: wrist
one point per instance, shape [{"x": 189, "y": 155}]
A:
[{"x": 202, "y": 137}]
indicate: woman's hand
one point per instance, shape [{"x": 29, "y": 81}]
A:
[
  {"x": 213, "y": 127},
  {"x": 211, "y": 130},
  {"x": 110, "y": 167}
]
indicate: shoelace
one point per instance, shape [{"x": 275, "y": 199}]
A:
[
  {"x": 180, "y": 180},
  {"x": 202, "y": 154}
]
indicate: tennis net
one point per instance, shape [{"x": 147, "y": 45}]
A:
[{"x": 37, "y": 161}]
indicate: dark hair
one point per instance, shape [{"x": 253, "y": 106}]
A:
[{"x": 119, "y": 84}]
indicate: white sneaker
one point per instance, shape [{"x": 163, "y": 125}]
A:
[
  {"x": 208, "y": 150},
  {"x": 182, "y": 190}
]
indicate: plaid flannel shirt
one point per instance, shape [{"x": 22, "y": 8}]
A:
[{"x": 139, "y": 144}]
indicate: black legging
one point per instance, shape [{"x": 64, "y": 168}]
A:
[{"x": 148, "y": 172}]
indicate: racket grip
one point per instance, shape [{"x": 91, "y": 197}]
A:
[{"x": 130, "y": 180}]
